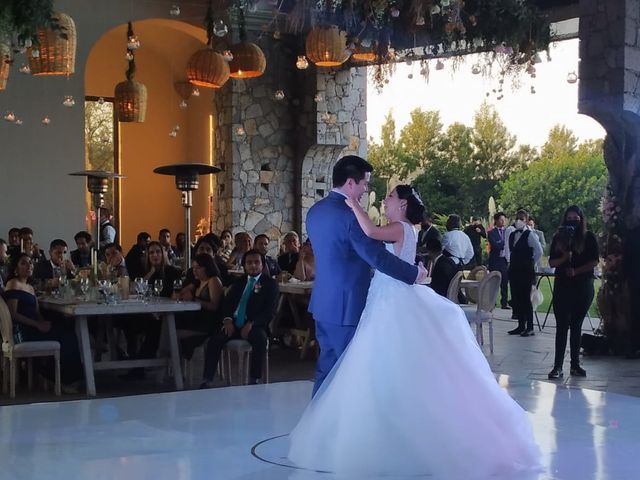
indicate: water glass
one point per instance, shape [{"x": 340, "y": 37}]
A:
[{"x": 84, "y": 287}]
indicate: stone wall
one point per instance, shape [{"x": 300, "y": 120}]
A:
[{"x": 269, "y": 180}]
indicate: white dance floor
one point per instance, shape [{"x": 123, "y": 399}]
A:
[{"x": 234, "y": 433}]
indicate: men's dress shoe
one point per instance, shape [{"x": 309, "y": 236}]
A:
[
  {"x": 515, "y": 331},
  {"x": 555, "y": 373},
  {"x": 578, "y": 372},
  {"x": 528, "y": 333}
]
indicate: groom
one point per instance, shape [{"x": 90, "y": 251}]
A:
[{"x": 344, "y": 257}]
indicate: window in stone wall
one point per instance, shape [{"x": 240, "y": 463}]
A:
[{"x": 101, "y": 138}]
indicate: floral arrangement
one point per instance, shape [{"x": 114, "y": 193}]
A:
[{"x": 512, "y": 31}]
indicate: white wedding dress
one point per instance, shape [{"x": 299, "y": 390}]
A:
[{"x": 413, "y": 395}]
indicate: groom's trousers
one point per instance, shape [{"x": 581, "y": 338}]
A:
[{"x": 333, "y": 340}]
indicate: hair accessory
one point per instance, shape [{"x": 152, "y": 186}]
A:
[{"x": 417, "y": 197}]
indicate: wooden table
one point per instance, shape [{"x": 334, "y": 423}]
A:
[
  {"x": 288, "y": 293},
  {"x": 80, "y": 310}
]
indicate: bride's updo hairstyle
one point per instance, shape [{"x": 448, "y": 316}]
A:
[{"x": 415, "y": 208}]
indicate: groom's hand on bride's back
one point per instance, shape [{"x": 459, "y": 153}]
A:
[{"x": 422, "y": 273}]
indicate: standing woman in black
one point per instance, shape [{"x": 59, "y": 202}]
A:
[{"x": 574, "y": 255}]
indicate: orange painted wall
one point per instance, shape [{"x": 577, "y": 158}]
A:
[{"x": 149, "y": 201}]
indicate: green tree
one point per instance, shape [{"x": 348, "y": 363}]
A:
[
  {"x": 493, "y": 145},
  {"x": 420, "y": 138},
  {"x": 387, "y": 157},
  {"x": 550, "y": 185},
  {"x": 561, "y": 141}
]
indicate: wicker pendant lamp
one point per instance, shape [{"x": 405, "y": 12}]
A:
[
  {"x": 55, "y": 53},
  {"x": 207, "y": 68},
  {"x": 4, "y": 65},
  {"x": 130, "y": 95},
  {"x": 362, "y": 54},
  {"x": 327, "y": 46},
  {"x": 248, "y": 59}
]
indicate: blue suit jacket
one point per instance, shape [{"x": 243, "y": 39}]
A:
[
  {"x": 497, "y": 244},
  {"x": 344, "y": 257}
]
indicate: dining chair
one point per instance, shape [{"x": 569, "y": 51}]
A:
[
  {"x": 242, "y": 349},
  {"x": 476, "y": 273},
  {"x": 483, "y": 311},
  {"x": 454, "y": 287},
  {"x": 12, "y": 353}
]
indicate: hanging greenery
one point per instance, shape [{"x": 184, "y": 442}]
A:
[
  {"x": 513, "y": 31},
  {"x": 21, "y": 19}
]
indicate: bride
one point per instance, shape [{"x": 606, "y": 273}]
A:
[{"x": 413, "y": 393}]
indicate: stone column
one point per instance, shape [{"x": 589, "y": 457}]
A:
[{"x": 610, "y": 92}]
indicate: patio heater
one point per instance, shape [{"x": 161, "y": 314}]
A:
[
  {"x": 187, "y": 179},
  {"x": 98, "y": 185}
]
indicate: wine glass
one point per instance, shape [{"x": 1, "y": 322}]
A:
[
  {"x": 138, "y": 282},
  {"x": 103, "y": 288},
  {"x": 177, "y": 286},
  {"x": 84, "y": 287},
  {"x": 157, "y": 287}
]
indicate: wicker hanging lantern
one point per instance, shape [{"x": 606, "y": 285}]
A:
[
  {"x": 362, "y": 54},
  {"x": 130, "y": 95},
  {"x": 4, "y": 65},
  {"x": 327, "y": 46},
  {"x": 55, "y": 53},
  {"x": 207, "y": 68},
  {"x": 248, "y": 60}
]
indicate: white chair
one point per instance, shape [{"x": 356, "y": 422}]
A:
[
  {"x": 12, "y": 353},
  {"x": 476, "y": 273},
  {"x": 454, "y": 287},
  {"x": 242, "y": 348},
  {"x": 483, "y": 310}
]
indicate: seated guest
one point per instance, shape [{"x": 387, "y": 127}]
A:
[
  {"x": 181, "y": 245},
  {"x": 81, "y": 256},
  {"x": 14, "y": 241},
  {"x": 227, "y": 244},
  {"x": 195, "y": 327},
  {"x": 164, "y": 237},
  {"x": 29, "y": 325},
  {"x": 289, "y": 257},
  {"x": 441, "y": 268},
  {"x": 249, "y": 307},
  {"x": 57, "y": 265},
  {"x": 261, "y": 244},
  {"x": 26, "y": 238},
  {"x": 456, "y": 244},
  {"x": 136, "y": 256},
  {"x": 116, "y": 264},
  {"x": 243, "y": 244},
  {"x": 306, "y": 267},
  {"x": 157, "y": 269},
  {"x": 4, "y": 263}
]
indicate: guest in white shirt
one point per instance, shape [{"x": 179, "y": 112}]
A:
[{"x": 456, "y": 244}]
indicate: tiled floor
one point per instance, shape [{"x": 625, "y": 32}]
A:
[
  {"x": 209, "y": 434},
  {"x": 585, "y": 428}
]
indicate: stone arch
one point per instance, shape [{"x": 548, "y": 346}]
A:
[{"x": 317, "y": 166}]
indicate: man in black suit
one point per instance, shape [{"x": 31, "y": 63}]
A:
[
  {"x": 248, "y": 308},
  {"x": 441, "y": 268},
  {"x": 81, "y": 257},
  {"x": 476, "y": 232},
  {"x": 497, "y": 257},
  {"x": 56, "y": 266},
  {"x": 136, "y": 256},
  {"x": 261, "y": 243},
  {"x": 427, "y": 231}
]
